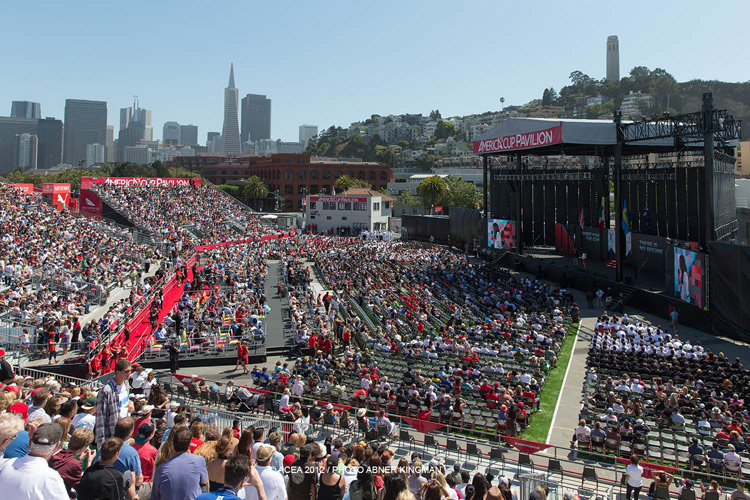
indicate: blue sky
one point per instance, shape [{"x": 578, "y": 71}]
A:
[{"x": 333, "y": 62}]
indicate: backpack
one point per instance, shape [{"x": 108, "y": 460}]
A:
[{"x": 355, "y": 492}]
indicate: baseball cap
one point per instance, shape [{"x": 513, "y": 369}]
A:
[
  {"x": 289, "y": 460},
  {"x": 89, "y": 404},
  {"x": 264, "y": 453},
  {"x": 2, "y": 352},
  {"x": 21, "y": 409},
  {"x": 144, "y": 432},
  {"x": 47, "y": 434},
  {"x": 146, "y": 409},
  {"x": 457, "y": 466}
]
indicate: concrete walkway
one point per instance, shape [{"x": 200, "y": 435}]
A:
[{"x": 277, "y": 324}]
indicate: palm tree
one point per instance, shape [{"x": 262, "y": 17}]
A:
[
  {"x": 254, "y": 189},
  {"x": 432, "y": 190}
]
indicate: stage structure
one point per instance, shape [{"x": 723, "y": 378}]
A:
[{"x": 551, "y": 183}]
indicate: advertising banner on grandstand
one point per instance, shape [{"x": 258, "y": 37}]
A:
[
  {"x": 87, "y": 182},
  {"x": 60, "y": 200},
  {"x": 526, "y": 446},
  {"x": 424, "y": 426},
  {"x": 528, "y": 140},
  {"x": 501, "y": 234},
  {"x": 54, "y": 188},
  {"x": 688, "y": 276},
  {"x": 649, "y": 469},
  {"x": 25, "y": 188},
  {"x": 90, "y": 203}
]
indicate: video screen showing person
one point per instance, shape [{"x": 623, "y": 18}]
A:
[
  {"x": 500, "y": 234},
  {"x": 688, "y": 276}
]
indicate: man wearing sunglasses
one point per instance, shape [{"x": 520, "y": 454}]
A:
[{"x": 113, "y": 402}]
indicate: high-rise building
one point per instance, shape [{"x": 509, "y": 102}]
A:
[
  {"x": 140, "y": 154},
  {"x": 613, "y": 59},
  {"x": 170, "y": 133},
  {"x": 50, "y": 148},
  {"x": 110, "y": 154},
  {"x": 26, "y": 151},
  {"x": 85, "y": 123},
  {"x": 256, "y": 117},
  {"x": 135, "y": 114},
  {"x": 213, "y": 142},
  {"x": 96, "y": 154},
  {"x": 189, "y": 135},
  {"x": 49, "y": 134},
  {"x": 230, "y": 135},
  {"x": 25, "y": 109},
  {"x": 307, "y": 132}
]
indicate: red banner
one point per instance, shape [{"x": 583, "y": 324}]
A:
[
  {"x": 90, "y": 203},
  {"x": 339, "y": 408},
  {"x": 526, "y": 446},
  {"x": 528, "y": 140},
  {"x": 55, "y": 188},
  {"x": 60, "y": 200},
  {"x": 423, "y": 426},
  {"x": 25, "y": 188},
  {"x": 649, "y": 469},
  {"x": 87, "y": 182}
]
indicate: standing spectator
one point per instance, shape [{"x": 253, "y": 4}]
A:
[
  {"x": 128, "y": 459},
  {"x": 236, "y": 472},
  {"x": 112, "y": 401},
  {"x": 67, "y": 462},
  {"x": 6, "y": 371},
  {"x": 174, "y": 356},
  {"x": 39, "y": 399},
  {"x": 273, "y": 481},
  {"x": 85, "y": 419},
  {"x": 102, "y": 481},
  {"x": 277, "y": 460},
  {"x": 675, "y": 317},
  {"x": 146, "y": 451},
  {"x": 740, "y": 493},
  {"x": 180, "y": 477},
  {"x": 30, "y": 477},
  {"x": 633, "y": 478}
]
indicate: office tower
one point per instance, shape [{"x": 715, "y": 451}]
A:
[
  {"x": 9, "y": 128},
  {"x": 95, "y": 154},
  {"x": 307, "y": 132},
  {"x": 137, "y": 113},
  {"x": 131, "y": 136},
  {"x": 256, "y": 117},
  {"x": 50, "y": 148},
  {"x": 110, "y": 154},
  {"x": 230, "y": 135},
  {"x": 85, "y": 123},
  {"x": 613, "y": 59},
  {"x": 25, "y": 109},
  {"x": 189, "y": 135},
  {"x": 213, "y": 142},
  {"x": 171, "y": 133},
  {"x": 26, "y": 151}
]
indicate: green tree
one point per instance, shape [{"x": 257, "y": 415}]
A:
[
  {"x": 345, "y": 182},
  {"x": 432, "y": 190},
  {"x": 444, "y": 130},
  {"x": 408, "y": 201},
  {"x": 255, "y": 189},
  {"x": 460, "y": 193},
  {"x": 435, "y": 115},
  {"x": 159, "y": 169}
]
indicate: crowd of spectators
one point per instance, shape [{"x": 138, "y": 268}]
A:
[
  {"x": 668, "y": 399},
  {"x": 172, "y": 211}
]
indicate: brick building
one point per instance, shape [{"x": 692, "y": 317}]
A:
[{"x": 293, "y": 175}]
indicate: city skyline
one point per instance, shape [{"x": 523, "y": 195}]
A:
[{"x": 435, "y": 66}]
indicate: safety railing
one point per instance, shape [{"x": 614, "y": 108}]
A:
[{"x": 63, "y": 379}]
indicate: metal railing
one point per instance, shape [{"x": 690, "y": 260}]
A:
[{"x": 63, "y": 379}]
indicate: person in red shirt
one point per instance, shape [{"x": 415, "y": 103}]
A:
[
  {"x": 492, "y": 399},
  {"x": 242, "y": 354},
  {"x": 95, "y": 367},
  {"x": 51, "y": 348},
  {"x": 326, "y": 345},
  {"x": 312, "y": 343},
  {"x": 236, "y": 428},
  {"x": 346, "y": 337},
  {"x": 146, "y": 451},
  {"x": 197, "y": 430}
]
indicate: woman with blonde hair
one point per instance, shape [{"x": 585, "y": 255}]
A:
[{"x": 197, "y": 430}]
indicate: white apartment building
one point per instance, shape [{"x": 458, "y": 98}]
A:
[{"x": 357, "y": 209}]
